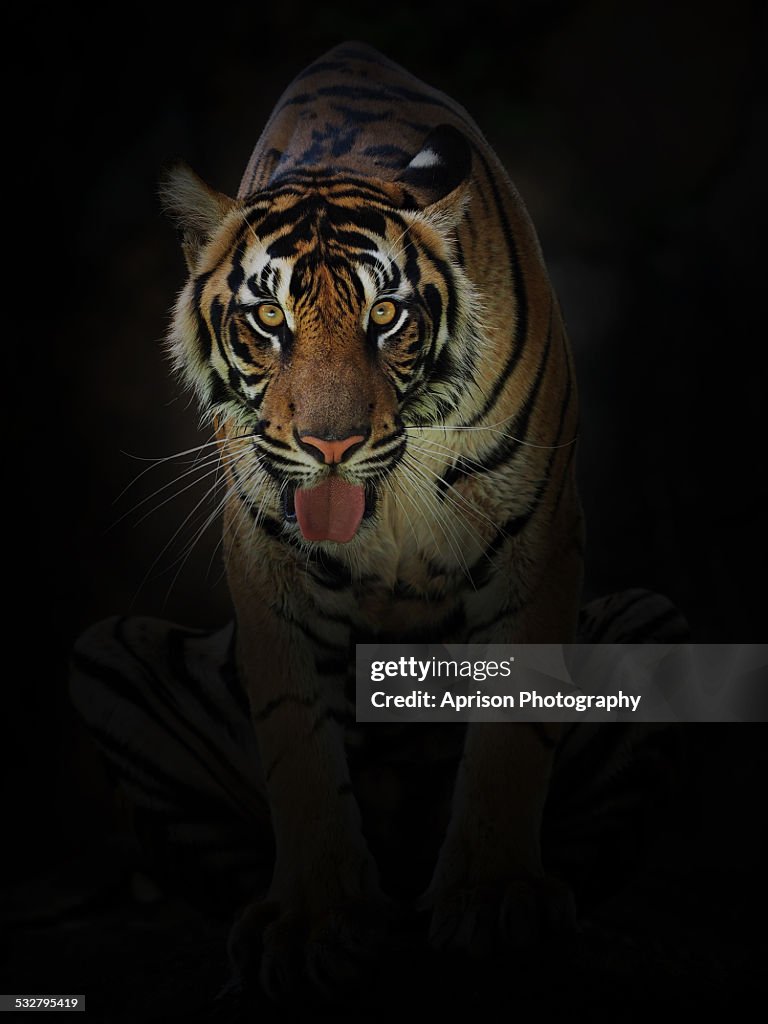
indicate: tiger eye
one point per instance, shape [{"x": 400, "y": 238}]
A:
[
  {"x": 383, "y": 313},
  {"x": 270, "y": 315}
]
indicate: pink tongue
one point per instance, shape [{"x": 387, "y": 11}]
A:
[{"x": 331, "y": 511}]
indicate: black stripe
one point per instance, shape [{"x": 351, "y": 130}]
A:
[
  {"x": 444, "y": 270},
  {"x": 177, "y": 661},
  {"x": 270, "y": 769},
  {"x": 330, "y": 715},
  {"x": 285, "y": 245},
  {"x": 271, "y": 221},
  {"x": 230, "y": 676},
  {"x": 521, "y": 298},
  {"x": 216, "y": 312},
  {"x": 355, "y": 240},
  {"x": 129, "y": 762},
  {"x": 480, "y": 572},
  {"x": 393, "y": 156},
  {"x": 366, "y": 190},
  {"x": 505, "y": 450},
  {"x": 611, "y": 615},
  {"x": 241, "y": 349},
  {"x": 306, "y": 701},
  {"x": 275, "y": 442},
  {"x": 318, "y": 641},
  {"x": 644, "y": 631},
  {"x": 219, "y": 392},
  {"x": 386, "y": 439},
  {"x": 115, "y": 682},
  {"x": 367, "y": 219},
  {"x": 169, "y": 700},
  {"x": 236, "y": 274},
  {"x": 460, "y": 258},
  {"x": 446, "y": 630},
  {"x": 494, "y": 621},
  {"x": 434, "y": 303},
  {"x": 203, "y": 331},
  {"x": 564, "y": 478}
]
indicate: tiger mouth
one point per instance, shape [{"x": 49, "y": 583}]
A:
[{"x": 288, "y": 502}]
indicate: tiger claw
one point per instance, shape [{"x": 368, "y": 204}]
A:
[{"x": 332, "y": 957}]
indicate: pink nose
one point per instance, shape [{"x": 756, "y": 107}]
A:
[{"x": 332, "y": 451}]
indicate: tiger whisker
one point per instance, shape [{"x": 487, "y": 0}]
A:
[
  {"x": 504, "y": 433},
  {"x": 438, "y": 515},
  {"x": 429, "y": 516},
  {"x": 231, "y": 526},
  {"x": 201, "y": 472},
  {"x": 173, "y": 537},
  {"x": 402, "y": 235},
  {"x": 451, "y": 492},
  {"x": 435, "y": 449},
  {"x": 261, "y": 511},
  {"x": 452, "y": 495},
  {"x": 189, "y": 517},
  {"x": 389, "y": 484},
  {"x": 208, "y": 521},
  {"x": 186, "y": 554},
  {"x": 229, "y": 492},
  {"x": 161, "y": 461},
  {"x": 212, "y": 460}
]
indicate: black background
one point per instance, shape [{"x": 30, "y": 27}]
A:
[{"x": 635, "y": 133}]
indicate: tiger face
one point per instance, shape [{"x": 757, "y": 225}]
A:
[{"x": 322, "y": 317}]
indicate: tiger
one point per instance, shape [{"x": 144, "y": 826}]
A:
[{"x": 370, "y": 329}]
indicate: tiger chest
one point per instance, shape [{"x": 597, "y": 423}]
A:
[{"x": 397, "y": 769}]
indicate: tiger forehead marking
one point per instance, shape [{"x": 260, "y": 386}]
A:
[{"x": 347, "y": 248}]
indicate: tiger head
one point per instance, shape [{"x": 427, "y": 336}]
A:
[{"x": 324, "y": 315}]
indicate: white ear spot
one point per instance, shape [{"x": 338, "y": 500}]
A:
[{"x": 425, "y": 158}]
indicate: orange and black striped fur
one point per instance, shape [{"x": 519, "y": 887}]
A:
[
  {"x": 370, "y": 326},
  {"x": 452, "y": 423}
]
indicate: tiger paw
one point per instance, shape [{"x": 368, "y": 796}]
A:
[
  {"x": 484, "y": 919},
  {"x": 331, "y": 956}
]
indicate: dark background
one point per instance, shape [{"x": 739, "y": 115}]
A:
[{"x": 635, "y": 133}]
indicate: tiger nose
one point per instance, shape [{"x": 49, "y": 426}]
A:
[{"x": 331, "y": 449}]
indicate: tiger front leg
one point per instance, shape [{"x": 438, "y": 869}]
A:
[
  {"x": 489, "y": 889},
  {"x": 319, "y": 924}
]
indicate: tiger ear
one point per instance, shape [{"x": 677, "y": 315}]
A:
[
  {"x": 194, "y": 207},
  {"x": 438, "y": 175}
]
